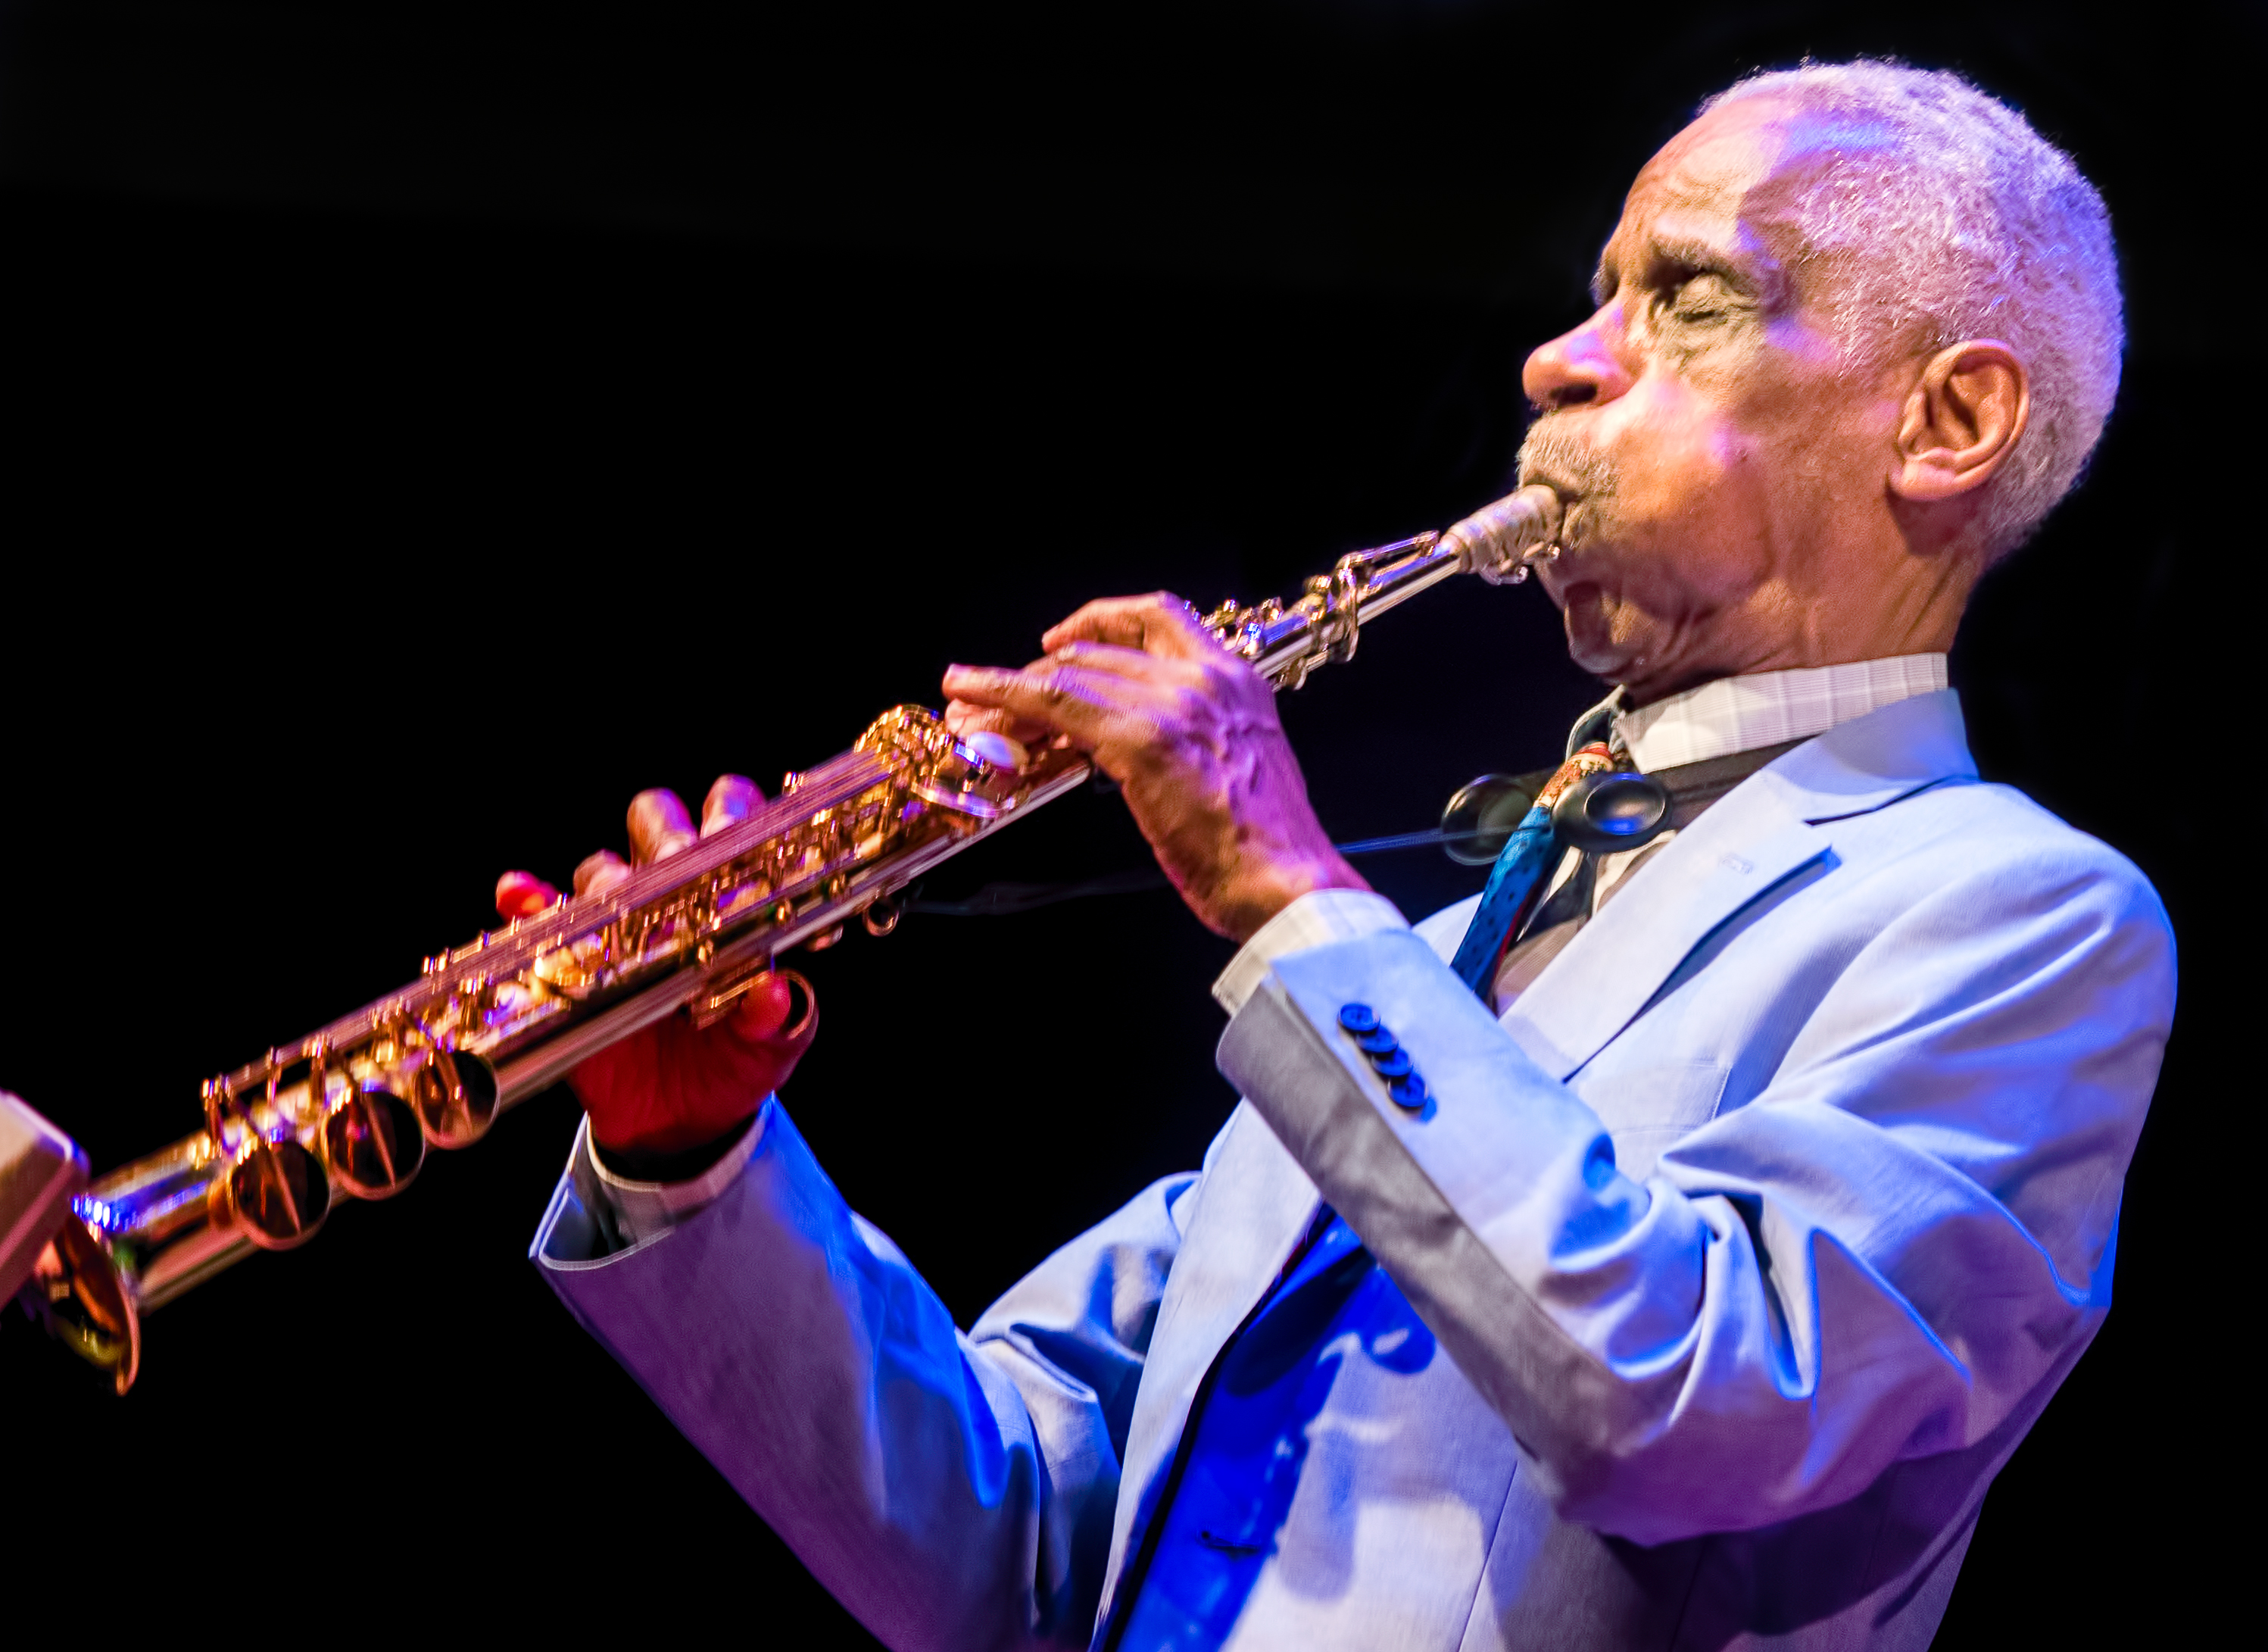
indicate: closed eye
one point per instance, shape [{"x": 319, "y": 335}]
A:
[{"x": 1699, "y": 296}]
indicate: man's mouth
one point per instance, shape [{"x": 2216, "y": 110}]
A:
[
  {"x": 1573, "y": 499},
  {"x": 1531, "y": 475},
  {"x": 1573, "y": 519},
  {"x": 1554, "y": 456}
]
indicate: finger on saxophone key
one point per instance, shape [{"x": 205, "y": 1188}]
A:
[
  {"x": 730, "y": 800},
  {"x": 764, "y": 1009},
  {"x": 660, "y": 826},
  {"x": 601, "y": 871},
  {"x": 523, "y": 894}
]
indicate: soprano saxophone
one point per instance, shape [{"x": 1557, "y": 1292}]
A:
[{"x": 351, "y": 1110}]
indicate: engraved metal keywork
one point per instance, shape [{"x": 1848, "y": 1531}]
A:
[
  {"x": 272, "y": 1189},
  {"x": 353, "y": 1107},
  {"x": 372, "y": 1143},
  {"x": 454, "y": 1097}
]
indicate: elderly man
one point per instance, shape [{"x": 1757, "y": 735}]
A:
[{"x": 1665, "y": 1254}]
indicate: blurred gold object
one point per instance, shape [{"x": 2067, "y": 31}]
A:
[{"x": 350, "y": 1108}]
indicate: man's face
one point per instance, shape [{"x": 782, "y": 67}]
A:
[{"x": 1715, "y": 456}]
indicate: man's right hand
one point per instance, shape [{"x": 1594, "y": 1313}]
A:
[{"x": 672, "y": 1086}]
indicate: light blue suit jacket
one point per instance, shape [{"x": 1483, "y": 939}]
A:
[{"x": 1749, "y": 1242}]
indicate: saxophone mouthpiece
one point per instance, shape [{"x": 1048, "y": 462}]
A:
[{"x": 1500, "y": 542}]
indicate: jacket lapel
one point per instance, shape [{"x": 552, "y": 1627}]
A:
[
  {"x": 1253, "y": 1206},
  {"x": 1760, "y": 833}
]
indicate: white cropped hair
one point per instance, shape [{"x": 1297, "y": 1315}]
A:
[{"x": 1957, "y": 220}]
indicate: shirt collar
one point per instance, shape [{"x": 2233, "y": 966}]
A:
[{"x": 1736, "y": 714}]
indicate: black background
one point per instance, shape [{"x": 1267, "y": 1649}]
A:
[{"x": 422, "y": 432}]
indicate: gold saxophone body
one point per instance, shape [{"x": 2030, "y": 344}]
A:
[{"x": 351, "y": 1110}]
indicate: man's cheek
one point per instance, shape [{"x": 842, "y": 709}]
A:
[{"x": 1665, "y": 447}]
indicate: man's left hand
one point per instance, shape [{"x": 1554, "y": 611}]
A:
[{"x": 1191, "y": 732}]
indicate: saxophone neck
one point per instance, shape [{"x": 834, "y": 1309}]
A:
[
  {"x": 1502, "y": 540},
  {"x": 1285, "y": 642}
]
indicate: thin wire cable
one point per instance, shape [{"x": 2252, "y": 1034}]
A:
[{"x": 999, "y": 900}]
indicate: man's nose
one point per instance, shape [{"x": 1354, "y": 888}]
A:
[{"x": 1575, "y": 367}]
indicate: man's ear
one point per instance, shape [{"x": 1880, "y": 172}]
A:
[{"x": 1962, "y": 418}]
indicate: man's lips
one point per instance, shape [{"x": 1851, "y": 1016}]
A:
[
  {"x": 1579, "y": 564},
  {"x": 1571, "y": 501},
  {"x": 1560, "y": 571},
  {"x": 1561, "y": 583},
  {"x": 1530, "y": 476}
]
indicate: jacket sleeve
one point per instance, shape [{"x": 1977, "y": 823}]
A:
[
  {"x": 1880, "y": 1256},
  {"x": 953, "y": 1490}
]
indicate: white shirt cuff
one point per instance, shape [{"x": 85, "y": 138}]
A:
[
  {"x": 1315, "y": 919},
  {"x": 641, "y": 1209}
]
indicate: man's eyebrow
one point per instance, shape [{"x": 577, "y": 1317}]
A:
[{"x": 1692, "y": 257}]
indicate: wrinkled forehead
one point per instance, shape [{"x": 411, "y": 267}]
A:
[
  {"x": 1713, "y": 165},
  {"x": 1732, "y": 182}
]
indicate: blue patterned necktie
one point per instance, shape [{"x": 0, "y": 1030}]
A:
[{"x": 1520, "y": 872}]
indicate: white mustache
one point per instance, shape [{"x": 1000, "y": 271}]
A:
[{"x": 1550, "y": 455}]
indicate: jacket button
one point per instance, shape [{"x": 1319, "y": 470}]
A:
[
  {"x": 1408, "y": 1092},
  {"x": 1357, "y": 1018},
  {"x": 1395, "y": 1063},
  {"x": 1377, "y": 1042}
]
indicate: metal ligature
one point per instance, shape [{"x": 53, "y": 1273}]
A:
[{"x": 351, "y": 1110}]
